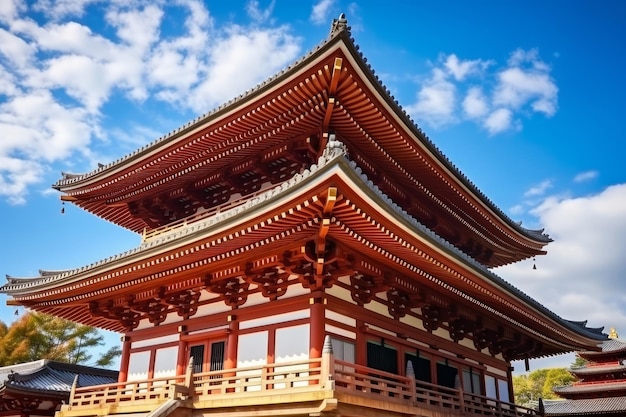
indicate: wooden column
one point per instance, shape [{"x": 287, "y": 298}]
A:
[
  {"x": 182, "y": 358},
  {"x": 232, "y": 343},
  {"x": 124, "y": 360},
  {"x": 509, "y": 383},
  {"x": 316, "y": 328}
]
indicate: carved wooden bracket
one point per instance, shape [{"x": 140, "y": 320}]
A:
[
  {"x": 272, "y": 280},
  {"x": 234, "y": 290},
  {"x": 184, "y": 302},
  {"x": 122, "y": 313}
]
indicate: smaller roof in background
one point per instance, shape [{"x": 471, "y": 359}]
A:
[
  {"x": 52, "y": 377},
  {"x": 590, "y": 407}
]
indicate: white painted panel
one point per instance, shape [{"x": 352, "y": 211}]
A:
[
  {"x": 252, "y": 349},
  {"x": 210, "y": 309},
  {"x": 165, "y": 362},
  {"x": 138, "y": 365},
  {"x": 155, "y": 341},
  {"x": 331, "y": 315},
  {"x": 292, "y": 343},
  {"x": 277, "y": 318},
  {"x": 252, "y": 352},
  {"x": 339, "y": 331}
]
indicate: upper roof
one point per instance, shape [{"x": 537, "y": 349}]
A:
[
  {"x": 278, "y": 129},
  {"x": 52, "y": 378}
]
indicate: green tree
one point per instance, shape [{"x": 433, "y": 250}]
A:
[
  {"x": 554, "y": 378},
  {"x": 40, "y": 336},
  {"x": 539, "y": 384},
  {"x": 578, "y": 362}
]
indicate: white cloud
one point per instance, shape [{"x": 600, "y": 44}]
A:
[
  {"x": 238, "y": 62},
  {"x": 257, "y": 14},
  {"x": 15, "y": 49},
  {"x": 496, "y": 98},
  {"x": 320, "y": 11},
  {"x": 527, "y": 81},
  {"x": 498, "y": 121},
  {"x": 58, "y": 9},
  {"x": 10, "y": 8},
  {"x": 56, "y": 76},
  {"x": 460, "y": 69},
  {"x": 586, "y": 176},
  {"x": 582, "y": 277},
  {"x": 475, "y": 103},
  {"x": 435, "y": 100},
  {"x": 539, "y": 189}
]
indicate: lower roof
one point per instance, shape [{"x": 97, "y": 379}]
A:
[
  {"x": 587, "y": 407},
  {"x": 51, "y": 377}
]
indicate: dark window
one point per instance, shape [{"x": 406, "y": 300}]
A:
[
  {"x": 197, "y": 353},
  {"x": 447, "y": 376},
  {"x": 421, "y": 367},
  {"x": 382, "y": 357},
  {"x": 217, "y": 356}
]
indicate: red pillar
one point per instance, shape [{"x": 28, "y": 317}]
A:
[
  {"x": 124, "y": 360},
  {"x": 232, "y": 343},
  {"x": 317, "y": 329},
  {"x": 181, "y": 360}
]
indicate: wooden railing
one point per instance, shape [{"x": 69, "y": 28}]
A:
[
  {"x": 303, "y": 375},
  {"x": 358, "y": 379},
  {"x": 142, "y": 395},
  {"x": 339, "y": 379}
]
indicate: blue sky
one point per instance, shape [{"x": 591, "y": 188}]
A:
[{"x": 526, "y": 98}]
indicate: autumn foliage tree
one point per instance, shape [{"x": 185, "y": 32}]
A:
[{"x": 37, "y": 336}]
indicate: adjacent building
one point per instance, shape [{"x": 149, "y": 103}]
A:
[
  {"x": 305, "y": 250},
  {"x": 600, "y": 387},
  {"x": 39, "y": 388}
]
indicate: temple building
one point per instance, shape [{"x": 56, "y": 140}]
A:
[
  {"x": 39, "y": 388},
  {"x": 600, "y": 387},
  {"x": 305, "y": 250}
]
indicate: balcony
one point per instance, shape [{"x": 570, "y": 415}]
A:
[{"x": 314, "y": 387}]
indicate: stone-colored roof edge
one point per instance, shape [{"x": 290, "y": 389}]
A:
[
  {"x": 608, "y": 347},
  {"x": 591, "y": 406},
  {"x": 598, "y": 369},
  {"x": 24, "y": 376}
]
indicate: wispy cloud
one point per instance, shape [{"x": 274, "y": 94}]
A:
[
  {"x": 258, "y": 14},
  {"x": 321, "y": 11},
  {"x": 496, "y": 98},
  {"x": 586, "y": 176},
  {"x": 539, "y": 189}
]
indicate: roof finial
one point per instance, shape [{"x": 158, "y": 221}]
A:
[
  {"x": 613, "y": 333},
  {"x": 339, "y": 25}
]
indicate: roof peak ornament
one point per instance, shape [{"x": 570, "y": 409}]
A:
[
  {"x": 339, "y": 25},
  {"x": 334, "y": 148}
]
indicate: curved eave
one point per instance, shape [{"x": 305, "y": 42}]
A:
[
  {"x": 582, "y": 389},
  {"x": 134, "y": 168},
  {"x": 448, "y": 267},
  {"x": 396, "y": 114},
  {"x": 597, "y": 370}
]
